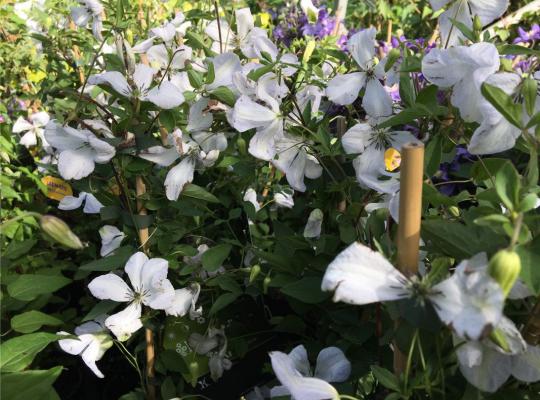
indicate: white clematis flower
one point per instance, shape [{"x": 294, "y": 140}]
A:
[
  {"x": 150, "y": 287},
  {"x": 166, "y": 32},
  {"x": 294, "y": 373},
  {"x": 371, "y": 143},
  {"x": 185, "y": 301},
  {"x": 344, "y": 89},
  {"x": 33, "y": 128},
  {"x": 165, "y": 95},
  {"x": 248, "y": 38},
  {"x": 158, "y": 55},
  {"x": 91, "y": 344},
  {"x": 463, "y": 11},
  {"x": 79, "y": 150},
  {"x": 111, "y": 239},
  {"x": 89, "y": 10},
  {"x": 91, "y": 204},
  {"x": 311, "y": 12},
  {"x": 250, "y": 196},
  {"x": 488, "y": 367},
  {"x": 295, "y": 162},
  {"x": 284, "y": 198},
  {"x": 470, "y": 301},
  {"x": 226, "y": 65},
  {"x": 464, "y": 69}
]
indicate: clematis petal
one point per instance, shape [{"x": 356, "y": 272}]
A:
[
  {"x": 21, "y": 125},
  {"x": 369, "y": 167},
  {"x": 526, "y": 366},
  {"x": 92, "y": 205},
  {"x": 450, "y": 34},
  {"x": 143, "y": 76},
  {"x": 103, "y": 151},
  {"x": 225, "y": 65},
  {"x": 299, "y": 357},
  {"x": 470, "y": 303},
  {"x": 134, "y": 267},
  {"x": 359, "y": 275},
  {"x": 178, "y": 177},
  {"x": 165, "y": 96},
  {"x": 344, "y": 89},
  {"x": 300, "y": 388},
  {"x": 29, "y": 139},
  {"x": 483, "y": 367},
  {"x": 313, "y": 169},
  {"x": 64, "y": 137},
  {"x": 160, "y": 155},
  {"x": 244, "y": 22},
  {"x": 332, "y": 365},
  {"x": 250, "y": 196},
  {"x": 80, "y": 16},
  {"x": 491, "y": 139},
  {"x": 158, "y": 290},
  {"x": 113, "y": 79},
  {"x": 111, "y": 239},
  {"x": 247, "y": 115},
  {"x": 71, "y": 202},
  {"x": 210, "y": 140},
  {"x": 314, "y": 224},
  {"x": 263, "y": 144},
  {"x": 73, "y": 346},
  {"x": 438, "y": 4},
  {"x": 488, "y": 10},
  {"x": 76, "y": 164},
  {"x": 227, "y": 36},
  {"x": 291, "y": 160},
  {"x": 126, "y": 322},
  {"x": 357, "y": 138},
  {"x": 376, "y": 101},
  {"x": 199, "y": 119},
  {"x": 181, "y": 303},
  {"x": 110, "y": 287},
  {"x": 91, "y": 354},
  {"x": 361, "y": 45}
]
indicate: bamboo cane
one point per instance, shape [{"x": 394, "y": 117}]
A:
[{"x": 410, "y": 213}]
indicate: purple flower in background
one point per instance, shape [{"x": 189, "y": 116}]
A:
[
  {"x": 323, "y": 27},
  {"x": 527, "y": 37},
  {"x": 447, "y": 169}
]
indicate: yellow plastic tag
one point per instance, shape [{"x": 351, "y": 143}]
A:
[
  {"x": 392, "y": 159},
  {"x": 57, "y": 188},
  {"x": 265, "y": 19}
]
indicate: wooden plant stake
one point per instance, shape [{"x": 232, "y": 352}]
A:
[{"x": 410, "y": 213}]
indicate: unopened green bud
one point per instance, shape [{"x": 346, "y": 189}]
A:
[
  {"x": 477, "y": 24},
  {"x": 255, "y": 271},
  {"x": 266, "y": 282},
  {"x": 505, "y": 267},
  {"x": 194, "y": 372},
  {"x": 241, "y": 144},
  {"x": 391, "y": 59},
  {"x": 60, "y": 232},
  {"x": 498, "y": 337},
  {"x": 454, "y": 211}
]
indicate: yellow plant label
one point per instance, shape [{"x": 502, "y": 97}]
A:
[
  {"x": 57, "y": 188},
  {"x": 392, "y": 159}
]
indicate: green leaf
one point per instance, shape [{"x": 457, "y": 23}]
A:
[
  {"x": 406, "y": 89},
  {"x": 507, "y": 185},
  {"x": 255, "y": 74},
  {"x": 225, "y": 95},
  {"x": 467, "y": 32},
  {"x": 103, "y": 307},
  {"x": 28, "y": 286},
  {"x": 35, "y": 384},
  {"x": 195, "y": 78},
  {"x": 112, "y": 262},
  {"x": 503, "y": 103},
  {"x": 529, "y": 88},
  {"x": 535, "y": 120},
  {"x": 31, "y": 321},
  {"x": 17, "y": 249},
  {"x": 214, "y": 257},
  {"x": 386, "y": 378},
  {"x": 460, "y": 241},
  {"x": 223, "y": 301},
  {"x": 16, "y": 354},
  {"x": 433, "y": 155},
  {"x": 210, "y": 73},
  {"x": 307, "y": 290},
  {"x": 514, "y": 49},
  {"x": 196, "y": 41},
  {"x": 167, "y": 120},
  {"x": 197, "y": 192}
]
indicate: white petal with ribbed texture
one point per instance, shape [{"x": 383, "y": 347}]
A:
[
  {"x": 76, "y": 164},
  {"x": 21, "y": 125},
  {"x": 376, "y": 101},
  {"x": 263, "y": 144},
  {"x": 71, "y": 202},
  {"x": 488, "y": 10},
  {"x": 344, "y": 89},
  {"x": 181, "y": 303},
  {"x": 92, "y": 205},
  {"x": 361, "y": 45},
  {"x": 359, "y": 275},
  {"x": 165, "y": 96},
  {"x": 134, "y": 267},
  {"x": 158, "y": 290},
  {"x": 225, "y": 65},
  {"x": 332, "y": 365},
  {"x": 142, "y": 77},
  {"x": 247, "y": 115},
  {"x": 450, "y": 34},
  {"x": 178, "y": 177},
  {"x": 244, "y": 22},
  {"x": 110, "y": 287},
  {"x": 357, "y": 138},
  {"x": 526, "y": 366},
  {"x": 299, "y": 357},
  {"x": 126, "y": 322},
  {"x": 160, "y": 155},
  {"x": 111, "y": 238},
  {"x": 113, "y": 79}
]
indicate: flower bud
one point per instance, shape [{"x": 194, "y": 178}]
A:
[
  {"x": 255, "y": 271},
  {"x": 124, "y": 52},
  {"x": 454, "y": 211},
  {"x": 194, "y": 372},
  {"x": 266, "y": 282},
  {"x": 504, "y": 267},
  {"x": 241, "y": 143},
  {"x": 59, "y": 231},
  {"x": 477, "y": 24}
]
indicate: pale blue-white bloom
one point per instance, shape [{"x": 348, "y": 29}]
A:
[
  {"x": 166, "y": 33},
  {"x": 185, "y": 301},
  {"x": 149, "y": 286},
  {"x": 463, "y": 11},
  {"x": 294, "y": 372},
  {"x": 284, "y": 198},
  {"x": 91, "y": 204},
  {"x": 89, "y": 11},
  {"x": 79, "y": 150},
  {"x": 164, "y": 95},
  {"x": 250, "y": 195},
  {"x": 344, "y": 89},
  {"x": 33, "y": 128},
  {"x": 111, "y": 239},
  {"x": 91, "y": 344},
  {"x": 469, "y": 301},
  {"x": 371, "y": 143}
]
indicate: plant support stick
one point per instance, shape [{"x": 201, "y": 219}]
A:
[{"x": 410, "y": 213}]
